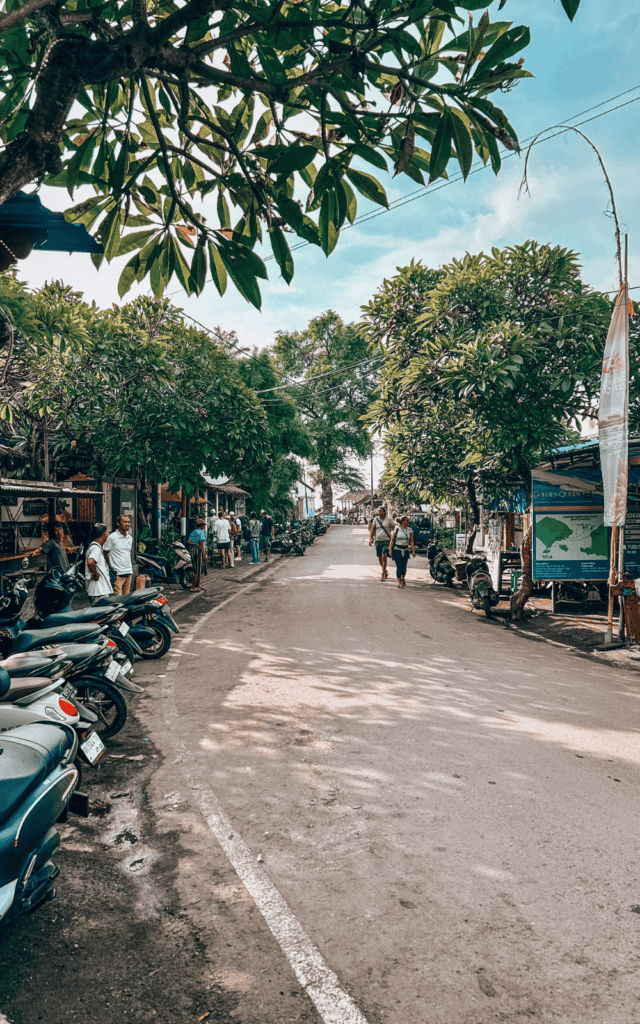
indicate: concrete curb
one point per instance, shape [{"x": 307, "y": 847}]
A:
[{"x": 253, "y": 571}]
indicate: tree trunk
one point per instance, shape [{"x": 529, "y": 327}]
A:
[
  {"x": 327, "y": 496},
  {"x": 520, "y": 598},
  {"x": 475, "y": 514}
]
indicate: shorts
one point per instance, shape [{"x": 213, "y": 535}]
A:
[
  {"x": 265, "y": 543},
  {"x": 224, "y": 545},
  {"x": 382, "y": 548}
]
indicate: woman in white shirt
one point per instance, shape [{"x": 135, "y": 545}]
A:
[
  {"x": 96, "y": 573},
  {"x": 402, "y": 540}
]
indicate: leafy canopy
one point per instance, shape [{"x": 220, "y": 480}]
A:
[
  {"x": 329, "y": 367},
  {"x": 136, "y": 388},
  {"x": 492, "y": 366},
  {"x": 159, "y": 105}
]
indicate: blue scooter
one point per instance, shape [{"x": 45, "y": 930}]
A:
[{"x": 38, "y": 783}]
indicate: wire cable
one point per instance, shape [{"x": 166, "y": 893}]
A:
[{"x": 428, "y": 189}]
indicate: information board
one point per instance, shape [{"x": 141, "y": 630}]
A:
[
  {"x": 632, "y": 542},
  {"x": 570, "y": 540}
]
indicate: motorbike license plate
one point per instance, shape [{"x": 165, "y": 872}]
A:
[
  {"x": 92, "y": 748},
  {"x": 68, "y": 690},
  {"x": 113, "y": 671},
  {"x": 126, "y": 667},
  {"x": 123, "y": 628}
]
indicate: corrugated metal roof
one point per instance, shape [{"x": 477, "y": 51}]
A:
[{"x": 40, "y": 489}]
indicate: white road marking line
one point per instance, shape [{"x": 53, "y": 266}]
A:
[{"x": 319, "y": 981}]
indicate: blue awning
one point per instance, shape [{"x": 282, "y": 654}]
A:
[{"x": 52, "y": 232}]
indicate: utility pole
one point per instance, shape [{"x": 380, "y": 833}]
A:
[{"x": 372, "y": 510}]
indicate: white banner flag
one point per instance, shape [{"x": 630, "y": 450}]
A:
[{"x": 613, "y": 415}]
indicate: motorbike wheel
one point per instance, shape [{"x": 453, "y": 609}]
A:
[
  {"x": 123, "y": 646},
  {"x": 186, "y": 577},
  {"x": 486, "y": 604},
  {"x": 106, "y": 702},
  {"x": 160, "y": 644}
]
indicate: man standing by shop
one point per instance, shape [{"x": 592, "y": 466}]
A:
[
  {"x": 381, "y": 529},
  {"x": 266, "y": 533},
  {"x": 96, "y": 573},
  {"x": 117, "y": 550}
]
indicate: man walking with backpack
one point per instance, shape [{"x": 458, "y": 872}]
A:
[{"x": 382, "y": 526}]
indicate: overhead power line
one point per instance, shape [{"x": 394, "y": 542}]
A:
[
  {"x": 428, "y": 189},
  {"x": 319, "y": 376}
]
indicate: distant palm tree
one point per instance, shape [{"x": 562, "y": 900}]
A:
[{"x": 343, "y": 475}]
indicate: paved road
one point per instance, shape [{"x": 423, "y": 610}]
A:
[{"x": 448, "y": 809}]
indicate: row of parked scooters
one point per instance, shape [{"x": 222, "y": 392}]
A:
[
  {"x": 296, "y": 539},
  {"x": 473, "y": 571},
  {"x": 64, "y": 674}
]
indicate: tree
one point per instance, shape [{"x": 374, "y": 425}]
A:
[
  {"x": 327, "y": 370},
  {"x": 135, "y": 390},
  {"x": 274, "y": 470},
  {"x": 159, "y": 106},
  {"x": 503, "y": 364}
]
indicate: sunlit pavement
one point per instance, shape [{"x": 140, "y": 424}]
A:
[{"x": 448, "y": 808}]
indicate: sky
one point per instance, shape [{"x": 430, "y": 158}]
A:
[{"x": 576, "y": 66}]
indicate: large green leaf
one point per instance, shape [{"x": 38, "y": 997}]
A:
[
  {"x": 441, "y": 149},
  {"x": 329, "y": 232},
  {"x": 218, "y": 269},
  {"x": 571, "y": 7},
  {"x": 282, "y": 252},
  {"x": 464, "y": 146},
  {"x": 368, "y": 186},
  {"x": 294, "y": 159}
]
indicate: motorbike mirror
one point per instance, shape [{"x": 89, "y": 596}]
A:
[{"x": 25, "y": 563}]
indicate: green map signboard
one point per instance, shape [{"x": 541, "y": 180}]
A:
[{"x": 570, "y": 540}]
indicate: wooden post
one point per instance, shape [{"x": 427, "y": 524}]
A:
[
  {"x": 185, "y": 512},
  {"x": 608, "y": 636}
]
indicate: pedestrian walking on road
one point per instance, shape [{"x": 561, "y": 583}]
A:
[
  {"x": 380, "y": 531},
  {"x": 266, "y": 533},
  {"x": 402, "y": 541},
  {"x": 223, "y": 533},
  {"x": 198, "y": 551},
  {"x": 254, "y": 537},
  {"x": 117, "y": 550},
  {"x": 96, "y": 573}
]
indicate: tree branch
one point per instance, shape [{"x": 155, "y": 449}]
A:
[{"x": 26, "y": 9}]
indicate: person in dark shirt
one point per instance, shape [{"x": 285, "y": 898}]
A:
[{"x": 266, "y": 534}]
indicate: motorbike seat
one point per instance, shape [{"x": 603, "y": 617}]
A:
[
  {"x": 76, "y": 616},
  {"x": 137, "y": 597},
  {"x": 22, "y": 686},
  {"x": 29, "y": 754},
  {"x": 19, "y": 665},
  {"x": 78, "y": 652},
  {"x": 35, "y": 638}
]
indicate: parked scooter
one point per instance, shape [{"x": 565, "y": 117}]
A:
[
  {"x": 440, "y": 567},
  {"x": 38, "y": 783},
  {"x": 135, "y": 634},
  {"x": 480, "y": 585},
  {"x": 157, "y": 567},
  {"x": 297, "y": 541},
  {"x": 282, "y": 543}
]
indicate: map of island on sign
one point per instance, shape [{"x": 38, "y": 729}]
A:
[{"x": 578, "y": 535}]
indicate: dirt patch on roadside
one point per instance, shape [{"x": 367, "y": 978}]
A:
[{"x": 114, "y": 945}]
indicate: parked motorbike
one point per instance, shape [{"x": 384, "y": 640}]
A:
[
  {"x": 130, "y": 617},
  {"x": 38, "y": 783},
  {"x": 158, "y": 569},
  {"x": 282, "y": 542},
  {"x": 81, "y": 675},
  {"x": 480, "y": 585},
  {"x": 297, "y": 541},
  {"x": 440, "y": 567}
]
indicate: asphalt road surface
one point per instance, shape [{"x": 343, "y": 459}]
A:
[{"x": 384, "y": 809}]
